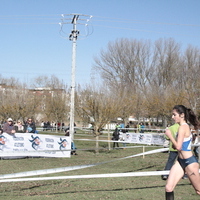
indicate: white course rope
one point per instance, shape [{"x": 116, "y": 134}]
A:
[
  {"x": 111, "y": 141},
  {"x": 130, "y": 174},
  {"x": 56, "y": 170},
  {"x": 113, "y": 175}
]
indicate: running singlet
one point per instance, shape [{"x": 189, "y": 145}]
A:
[{"x": 187, "y": 143}]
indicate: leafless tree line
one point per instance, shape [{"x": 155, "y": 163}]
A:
[
  {"x": 141, "y": 79},
  {"x": 19, "y": 102},
  {"x": 137, "y": 78},
  {"x": 159, "y": 74}
]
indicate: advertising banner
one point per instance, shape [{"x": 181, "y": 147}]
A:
[
  {"x": 144, "y": 138},
  {"x": 158, "y": 139},
  {"x": 34, "y": 145}
]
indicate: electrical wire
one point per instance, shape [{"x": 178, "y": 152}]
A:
[
  {"x": 27, "y": 16},
  {"x": 27, "y": 23},
  {"x": 132, "y": 29},
  {"x": 95, "y": 18},
  {"x": 137, "y": 21},
  {"x": 89, "y": 25}
]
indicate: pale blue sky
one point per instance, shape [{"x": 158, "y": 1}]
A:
[{"x": 31, "y": 44}]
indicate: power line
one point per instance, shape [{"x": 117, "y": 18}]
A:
[
  {"x": 142, "y": 30},
  {"x": 95, "y": 19},
  {"x": 9, "y": 16},
  {"x": 138, "y": 21},
  {"x": 88, "y": 25},
  {"x": 28, "y": 23}
]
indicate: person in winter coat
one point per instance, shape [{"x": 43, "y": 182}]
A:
[
  {"x": 115, "y": 137},
  {"x": 8, "y": 127},
  {"x": 30, "y": 126}
]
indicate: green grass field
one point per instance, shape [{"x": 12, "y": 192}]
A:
[{"x": 135, "y": 188}]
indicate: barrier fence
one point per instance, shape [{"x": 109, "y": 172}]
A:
[
  {"x": 40, "y": 145},
  {"x": 18, "y": 140},
  {"x": 15, "y": 176},
  {"x": 9, "y": 177}
]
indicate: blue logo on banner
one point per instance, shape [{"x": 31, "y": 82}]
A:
[
  {"x": 63, "y": 144},
  {"x": 35, "y": 142},
  {"x": 141, "y": 138},
  {"x": 2, "y": 141}
]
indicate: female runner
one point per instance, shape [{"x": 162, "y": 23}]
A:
[{"x": 186, "y": 162}]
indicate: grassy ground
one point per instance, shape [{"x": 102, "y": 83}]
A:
[{"x": 134, "y": 188}]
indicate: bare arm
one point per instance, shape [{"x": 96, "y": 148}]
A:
[
  {"x": 177, "y": 144},
  {"x": 170, "y": 136},
  {"x": 180, "y": 138}
]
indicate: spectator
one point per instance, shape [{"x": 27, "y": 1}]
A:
[
  {"x": 63, "y": 125},
  {"x": 138, "y": 128},
  {"x": 30, "y": 126},
  {"x": 135, "y": 128},
  {"x": 48, "y": 125},
  {"x": 127, "y": 127},
  {"x": 196, "y": 141},
  {"x": 73, "y": 147},
  {"x": 53, "y": 126},
  {"x": 125, "y": 131},
  {"x": 45, "y": 126},
  {"x": 172, "y": 152},
  {"x": 19, "y": 128},
  {"x": 8, "y": 127},
  {"x": 42, "y": 124},
  {"x": 116, "y": 136},
  {"x": 142, "y": 127},
  {"x": 67, "y": 131}
]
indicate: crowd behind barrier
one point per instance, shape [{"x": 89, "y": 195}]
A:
[
  {"x": 140, "y": 135},
  {"x": 11, "y": 127},
  {"x": 23, "y": 145},
  {"x": 17, "y": 139},
  {"x": 43, "y": 126},
  {"x": 52, "y": 126}
]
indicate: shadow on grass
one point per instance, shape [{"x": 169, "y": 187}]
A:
[
  {"x": 149, "y": 167},
  {"x": 87, "y": 191},
  {"x": 113, "y": 190}
]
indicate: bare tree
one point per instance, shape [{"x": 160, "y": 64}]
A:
[
  {"x": 45, "y": 82},
  {"x": 166, "y": 62},
  {"x": 96, "y": 106},
  {"x": 124, "y": 67},
  {"x": 190, "y": 73},
  {"x": 124, "y": 63},
  {"x": 150, "y": 72},
  {"x": 55, "y": 99},
  {"x": 57, "y": 106}
]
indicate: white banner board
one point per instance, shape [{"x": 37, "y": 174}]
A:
[
  {"x": 34, "y": 145},
  {"x": 143, "y": 138}
]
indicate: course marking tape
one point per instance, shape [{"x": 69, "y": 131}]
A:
[
  {"x": 111, "y": 141},
  {"x": 8, "y": 153},
  {"x": 70, "y": 168},
  {"x": 130, "y": 174},
  {"x": 127, "y": 142},
  {"x": 91, "y": 140},
  {"x": 113, "y": 175}
]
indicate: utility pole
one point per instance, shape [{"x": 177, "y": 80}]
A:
[{"x": 73, "y": 37}]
